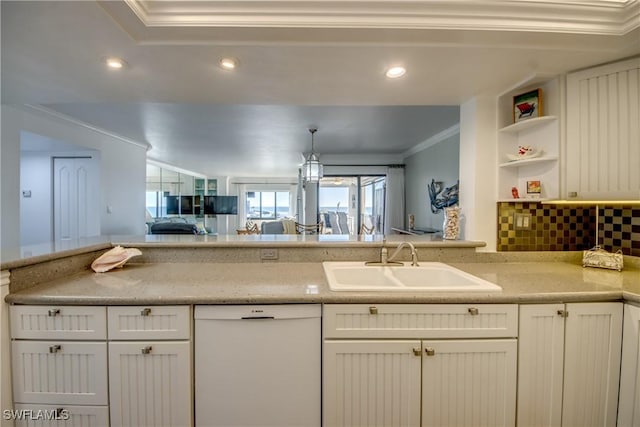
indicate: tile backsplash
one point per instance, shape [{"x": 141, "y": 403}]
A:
[{"x": 533, "y": 226}]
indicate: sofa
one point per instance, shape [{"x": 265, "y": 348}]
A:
[{"x": 175, "y": 225}]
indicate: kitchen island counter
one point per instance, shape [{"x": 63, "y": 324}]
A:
[{"x": 302, "y": 282}]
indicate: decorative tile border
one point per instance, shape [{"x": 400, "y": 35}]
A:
[
  {"x": 619, "y": 228},
  {"x": 569, "y": 228}
]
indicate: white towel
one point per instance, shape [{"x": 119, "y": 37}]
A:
[
  {"x": 289, "y": 226},
  {"x": 114, "y": 258}
]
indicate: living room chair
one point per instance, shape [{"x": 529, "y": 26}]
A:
[
  {"x": 249, "y": 228},
  {"x": 309, "y": 228}
]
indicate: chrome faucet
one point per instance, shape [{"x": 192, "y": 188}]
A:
[{"x": 387, "y": 260}]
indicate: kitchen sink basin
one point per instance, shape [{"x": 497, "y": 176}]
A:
[{"x": 427, "y": 277}]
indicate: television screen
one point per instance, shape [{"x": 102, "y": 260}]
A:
[
  {"x": 221, "y": 205},
  {"x": 173, "y": 205},
  {"x": 186, "y": 205}
]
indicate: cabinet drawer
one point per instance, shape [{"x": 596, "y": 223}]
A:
[
  {"x": 67, "y": 415},
  {"x": 420, "y": 320},
  {"x": 58, "y": 322},
  {"x": 149, "y": 322},
  {"x": 59, "y": 372}
]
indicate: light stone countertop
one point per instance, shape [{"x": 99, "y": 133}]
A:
[
  {"x": 283, "y": 282},
  {"x": 32, "y": 254}
]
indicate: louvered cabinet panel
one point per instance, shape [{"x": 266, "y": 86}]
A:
[
  {"x": 149, "y": 322},
  {"x": 150, "y": 383},
  {"x": 469, "y": 383},
  {"x": 59, "y": 372},
  {"x": 371, "y": 383},
  {"x": 629, "y": 402},
  {"x": 593, "y": 337},
  {"x": 540, "y": 365},
  {"x": 603, "y": 131},
  {"x": 62, "y": 416},
  {"x": 58, "y": 322},
  {"x": 420, "y": 321}
]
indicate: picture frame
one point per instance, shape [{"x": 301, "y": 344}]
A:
[
  {"x": 534, "y": 188},
  {"x": 527, "y": 105}
]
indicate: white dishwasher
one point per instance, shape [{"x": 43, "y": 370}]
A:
[{"x": 258, "y": 365}]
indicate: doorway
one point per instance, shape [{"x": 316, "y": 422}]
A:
[{"x": 352, "y": 204}]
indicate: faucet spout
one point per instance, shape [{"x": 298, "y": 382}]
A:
[
  {"x": 414, "y": 253},
  {"x": 387, "y": 260}
]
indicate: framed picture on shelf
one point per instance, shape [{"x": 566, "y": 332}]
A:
[
  {"x": 527, "y": 105},
  {"x": 534, "y": 189}
]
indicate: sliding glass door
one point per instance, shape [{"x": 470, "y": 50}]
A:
[{"x": 351, "y": 204}]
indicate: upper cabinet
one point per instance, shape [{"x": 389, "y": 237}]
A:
[
  {"x": 534, "y": 174},
  {"x": 603, "y": 132}
]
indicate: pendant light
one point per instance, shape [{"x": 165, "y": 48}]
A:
[{"x": 312, "y": 168}]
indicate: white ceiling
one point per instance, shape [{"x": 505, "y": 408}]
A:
[{"x": 302, "y": 63}]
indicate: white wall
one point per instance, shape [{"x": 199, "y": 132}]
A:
[
  {"x": 440, "y": 162},
  {"x": 478, "y": 170},
  {"x": 122, "y": 177}
]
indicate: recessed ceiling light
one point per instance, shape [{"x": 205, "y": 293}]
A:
[
  {"x": 395, "y": 72},
  {"x": 228, "y": 63},
  {"x": 114, "y": 63}
]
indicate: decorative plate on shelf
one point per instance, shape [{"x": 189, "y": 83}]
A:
[{"x": 524, "y": 152}]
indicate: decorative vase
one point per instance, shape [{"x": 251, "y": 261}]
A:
[{"x": 451, "y": 226}]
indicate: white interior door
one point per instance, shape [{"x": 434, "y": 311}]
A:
[{"x": 75, "y": 208}]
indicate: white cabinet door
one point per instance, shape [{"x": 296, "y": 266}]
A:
[
  {"x": 164, "y": 322},
  {"x": 150, "y": 383},
  {"x": 372, "y": 383},
  {"x": 420, "y": 321},
  {"x": 58, "y": 322},
  {"x": 540, "y": 365},
  {"x": 603, "y": 129},
  {"x": 629, "y": 403},
  {"x": 59, "y": 372},
  {"x": 62, "y": 415},
  {"x": 469, "y": 382},
  {"x": 593, "y": 338}
]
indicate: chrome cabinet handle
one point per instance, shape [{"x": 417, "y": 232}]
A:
[
  {"x": 54, "y": 312},
  {"x": 473, "y": 311},
  {"x": 563, "y": 313},
  {"x": 430, "y": 351},
  {"x": 146, "y": 350},
  {"x": 373, "y": 310},
  {"x": 417, "y": 351},
  {"x": 145, "y": 312},
  {"x": 55, "y": 348}
]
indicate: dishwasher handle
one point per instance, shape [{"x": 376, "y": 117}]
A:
[{"x": 257, "y": 318}]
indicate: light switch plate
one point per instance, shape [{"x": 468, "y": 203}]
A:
[
  {"x": 268, "y": 254},
  {"x": 522, "y": 221}
]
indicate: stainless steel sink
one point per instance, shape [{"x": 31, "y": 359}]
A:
[{"x": 427, "y": 277}]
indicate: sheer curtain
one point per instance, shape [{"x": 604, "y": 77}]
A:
[
  {"x": 394, "y": 199},
  {"x": 241, "y": 192}
]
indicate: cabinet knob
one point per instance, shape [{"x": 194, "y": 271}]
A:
[
  {"x": 572, "y": 194},
  {"x": 563, "y": 313},
  {"x": 146, "y": 350},
  {"x": 54, "y": 312},
  {"x": 145, "y": 312},
  {"x": 417, "y": 351},
  {"x": 473, "y": 311},
  {"x": 55, "y": 348},
  {"x": 430, "y": 351},
  {"x": 373, "y": 310}
]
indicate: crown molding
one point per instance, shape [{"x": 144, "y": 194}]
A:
[
  {"x": 604, "y": 17},
  {"x": 432, "y": 140},
  {"x": 53, "y": 113}
]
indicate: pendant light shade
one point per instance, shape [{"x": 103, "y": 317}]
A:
[{"x": 312, "y": 168}]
